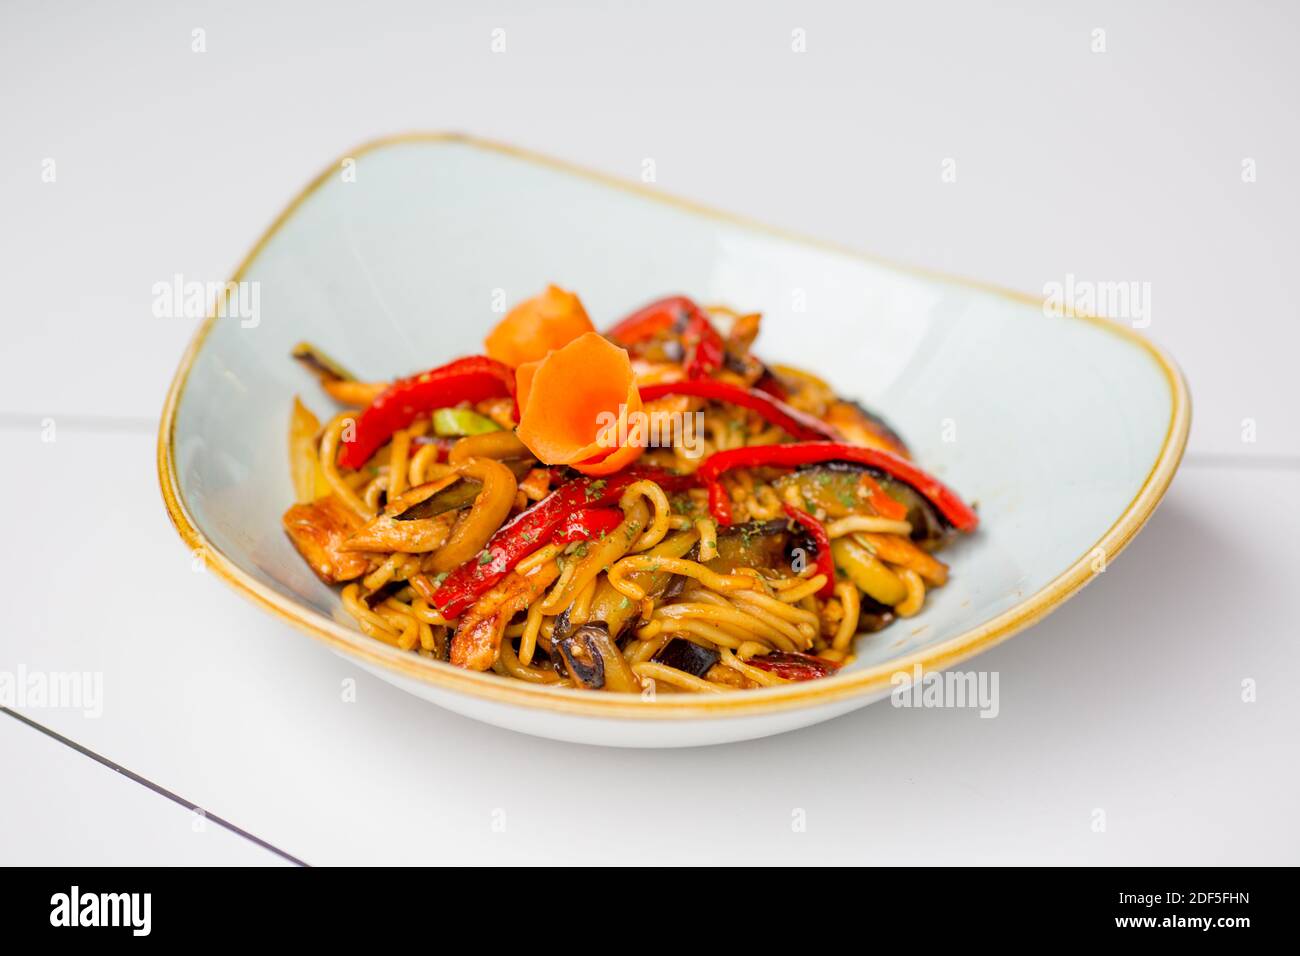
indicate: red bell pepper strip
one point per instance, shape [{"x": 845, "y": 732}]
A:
[
  {"x": 810, "y": 453},
  {"x": 588, "y": 525},
  {"x": 793, "y": 665},
  {"x": 531, "y": 529},
  {"x": 800, "y": 425},
  {"x": 719, "y": 503},
  {"x": 817, "y": 531},
  {"x": 885, "y": 506},
  {"x": 705, "y": 347},
  {"x": 469, "y": 379},
  {"x": 645, "y": 323}
]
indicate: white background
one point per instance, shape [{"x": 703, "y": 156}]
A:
[{"x": 1124, "y": 165}]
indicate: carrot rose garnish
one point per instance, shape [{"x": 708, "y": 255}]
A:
[
  {"x": 536, "y": 326},
  {"x": 575, "y": 406}
]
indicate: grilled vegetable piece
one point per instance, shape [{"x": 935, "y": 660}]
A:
[
  {"x": 535, "y": 326},
  {"x": 754, "y": 544},
  {"x": 319, "y": 364},
  {"x": 870, "y": 575},
  {"x": 863, "y": 427},
  {"x": 872, "y": 615},
  {"x": 480, "y": 521},
  {"x": 320, "y": 530},
  {"x": 840, "y": 488},
  {"x": 304, "y": 463},
  {"x": 835, "y": 490},
  {"x": 571, "y": 401},
  {"x": 455, "y": 422},
  {"x": 793, "y": 665},
  {"x": 687, "y": 656},
  {"x": 799, "y": 425},
  {"x": 821, "y": 549},
  {"x": 448, "y": 495},
  {"x": 589, "y": 524},
  {"x": 593, "y": 661},
  {"x": 799, "y": 454},
  {"x": 902, "y": 552},
  {"x": 814, "y": 395},
  {"x": 700, "y": 346}
]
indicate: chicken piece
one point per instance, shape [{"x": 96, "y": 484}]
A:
[
  {"x": 318, "y": 530},
  {"x": 478, "y": 635},
  {"x": 415, "y": 522},
  {"x": 389, "y": 533},
  {"x": 744, "y": 329},
  {"x": 722, "y": 674},
  {"x": 537, "y": 484}
]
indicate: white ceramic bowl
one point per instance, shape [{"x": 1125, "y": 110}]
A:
[{"x": 1065, "y": 431}]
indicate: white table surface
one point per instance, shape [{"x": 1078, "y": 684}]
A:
[{"x": 1118, "y": 166}]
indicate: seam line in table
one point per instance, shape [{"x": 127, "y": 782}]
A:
[
  {"x": 1239, "y": 459},
  {"x": 141, "y": 425},
  {"x": 149, "y": 784},
  {"x": 132, "y": 424}
]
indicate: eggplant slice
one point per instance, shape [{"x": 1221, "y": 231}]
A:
[
  {"x": 593, "y": 661},
  {"x": 762, "y": 545},
  {"x": 687, "y": 656},
  {"x": 833, "y": 486}
]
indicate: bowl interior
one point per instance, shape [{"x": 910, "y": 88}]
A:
[{"x": 1051, "y": 425}]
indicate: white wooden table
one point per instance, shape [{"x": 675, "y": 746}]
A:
[{"x": 224, "y": 737}]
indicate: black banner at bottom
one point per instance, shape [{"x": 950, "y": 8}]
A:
[{"x": 335, "y": 904}]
